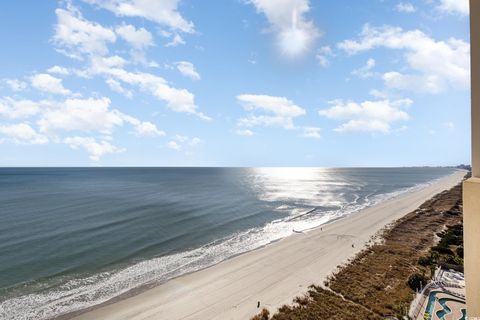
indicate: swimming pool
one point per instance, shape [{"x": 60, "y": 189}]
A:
[{"x": 432, "y": 298}]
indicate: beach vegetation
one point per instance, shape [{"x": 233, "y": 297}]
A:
[
  {"x": 448, "y": 251},
  {"x": 426, "y": 261},
  {"x": 459, "y": 251},
  {"x": 321, "y": 303},
  {"x": 417, "y": 281},
  {"x": 263, "y": 315}
]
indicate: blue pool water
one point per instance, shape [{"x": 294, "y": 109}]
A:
[{"x": 432, "y": 299}]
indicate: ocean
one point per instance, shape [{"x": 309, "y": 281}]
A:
[{"x": 72, "y": 238}]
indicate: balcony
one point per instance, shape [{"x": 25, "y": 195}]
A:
[{"x": 471, "y": 188}]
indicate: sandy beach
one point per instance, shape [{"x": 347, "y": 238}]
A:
[{"x": 273, "y": 275}]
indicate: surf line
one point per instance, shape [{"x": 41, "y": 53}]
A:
[{"x": 301, "y": 215}]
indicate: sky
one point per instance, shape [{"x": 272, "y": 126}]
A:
[{"x": 234, "y": 83}]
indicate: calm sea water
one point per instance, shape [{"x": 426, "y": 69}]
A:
[{"x": 74, "y": 238}]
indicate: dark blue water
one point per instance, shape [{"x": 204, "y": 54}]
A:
[{"x": 73, "y": 238}]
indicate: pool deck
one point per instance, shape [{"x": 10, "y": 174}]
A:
[
  {"x": 448, "y": 290},
  {"x": 452, "y": 303}
]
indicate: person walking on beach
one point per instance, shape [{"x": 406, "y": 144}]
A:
[{"x": 258, "y": 304}]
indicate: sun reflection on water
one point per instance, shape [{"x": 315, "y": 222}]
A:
[{"x": 304, "y": 186}]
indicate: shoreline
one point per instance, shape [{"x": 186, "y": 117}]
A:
[
  {"x": 273, "y": 274},
  {"x": 376, "y": 284}
]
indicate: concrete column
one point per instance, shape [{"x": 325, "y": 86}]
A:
[
  {"x": 471, "y": 242},
  {"x": 475, "y": 74},
  {"x": 471, "y": 187}
]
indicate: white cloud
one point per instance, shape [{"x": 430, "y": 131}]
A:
[
  {"x": 454, "y": 6},
  {"x": 13, "y": 109},
  {"x": 22, "y": 133},
  {"x": 80, "y": 36},
  {"x": 137, "y": 38},
  {"x": 176, "y": 41},
  {"x": 188, "y": 69},
  {"x": 164, "y": 33},
  {"x": 406, "y": 7},
  {"x": 450, "y": 126},
  {"x": 139, "y": 57},
  {"x": 295, "y": 33},
  {"x": 164, "y": 12},
  {"x": 365, "y": 71},
  {"x": 173, "y": 145},
  {"x": 186, "y": 140},
  {"x": 144, "y": 129},
  {"x": 95, "y": 149},
  {"x": 148, "y": 129},
  {"x": 16, "y": 85},
  {"x": 435, "y": 65},
  {"x": 181, "y": 138},
  {"x": 178, "y": 100},
  {"x": 368, "y": 116},
  {"x": 312, "y": 132},
  {"x": 323, "y": 54},
  {"x": 195, "y": 141},
  {"x": 180, "y": 143},
  {"x": 379, "y": 94},
  {"x": 47, "y": 83},
  {"x": 429, "y": 83},
  {"x": 99, "y": 65},
  {"x": 279, "y": 111},
  {"x": 59, "y": 70},
  {"x": 245, "y": 133},
  {"x": 276, "y": 105},
  {"x": 117, "y": 87},
  {"x": 253, "y": 58},
  {"x": 90, "y": 115}
]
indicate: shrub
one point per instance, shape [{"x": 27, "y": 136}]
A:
[
  {"x": 458, "y": 261},
  {"x": 452, "y": 260},
  {"x": 460, "y": 252},
  {"x": 263, "y": 315},
  {"x": 425, "y": 261},
  {"x": 442, "y": 250},
  {"x": 452, "y": 236},
  {"x": 417, "y": 281}
]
